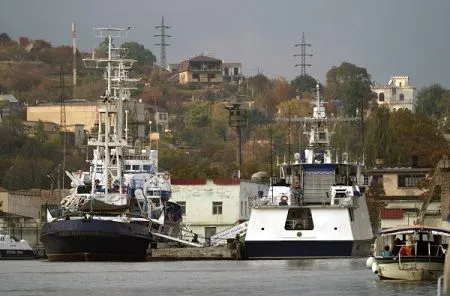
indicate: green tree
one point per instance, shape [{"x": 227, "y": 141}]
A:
[
  {"x": 374, "y": 205},
  {"x": 430, "y": 100},
  {"x": 377, "y": 136},
  {"x": 350, "y": 84},
  {"x": 304, "y": 84},
  {"x": 139, "y": 52},
  {"x": 5, "y": 40},
  {"x": 258, "y": 84},
  {"x": 196, "y": 115}
]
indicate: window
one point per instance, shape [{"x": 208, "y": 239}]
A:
[
  {"x": 235, "y": 71},
  {"x": 366, "y": 180},
  {"x": 402, "y": 97},
  {"x": 299, "y": 219},
  {"x": 381, "y": 97},
  {"x": 227, "y": 71},
  {"x": 217, "y": 208},
  {"x": 409, "y": 180},
  {"x": 196, "y": 76},
  {"x": 183, "y": 207}
]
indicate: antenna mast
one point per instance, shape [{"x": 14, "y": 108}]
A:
[
  {"x": 74, "y": 61},
  {"x": 163, "y": 44},
  {"x": 303, "y": 56}
]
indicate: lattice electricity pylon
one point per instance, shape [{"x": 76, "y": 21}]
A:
[
  {"x": 163, "y": 44},
  {"x": 303, "y": 56}
]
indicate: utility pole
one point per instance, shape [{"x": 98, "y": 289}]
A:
[
  {"x": 163, "y": 43},
  {"x": 63, "y": 123},
  {"x": 237, "y": 120},
  {"x": 303, "y": 55}
]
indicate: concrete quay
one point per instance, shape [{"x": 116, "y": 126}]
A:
[{"x": 175, "y": 254}]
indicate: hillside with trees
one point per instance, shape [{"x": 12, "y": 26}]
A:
[{"x": 200, "y": 142}]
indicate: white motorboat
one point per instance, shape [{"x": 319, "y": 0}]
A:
[
  {"x": 414, "y": 252},
  {"x": 12, "y": 248}
]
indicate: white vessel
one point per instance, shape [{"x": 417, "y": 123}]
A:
[
  {"x": 414, "y": 253},
  {"x": 11, "y": 248},
  {"x": 315, "y": 208}
]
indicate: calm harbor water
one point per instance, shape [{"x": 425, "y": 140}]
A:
[{"x": 286, "y": 277}]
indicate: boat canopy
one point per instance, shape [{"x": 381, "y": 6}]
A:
[{"x": 415, "y": 229}]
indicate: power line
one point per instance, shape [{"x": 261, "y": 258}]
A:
[
  {"x": 303, "y": 55},
  {"x": 163, "y": 43}
]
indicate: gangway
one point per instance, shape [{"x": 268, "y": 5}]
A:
[
  {"x": 178, "y": 240},
  {"x": 219, "y": 238}
]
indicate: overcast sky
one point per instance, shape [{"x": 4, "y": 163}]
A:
[{"x": 387, "y": 37}]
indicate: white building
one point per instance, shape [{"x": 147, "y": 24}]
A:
[
  {"x": 211, "y": 206},
  {"x": 396, "y": 94},
  {"x": 232, "y": 73}
]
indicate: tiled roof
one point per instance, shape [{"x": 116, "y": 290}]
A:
[
  {"x": 391, "y": 213},
  {"x": 202, "y": 58},
  {"x": 227, "y": 181},
  {"x": 199, "y": 181},
  {"x": 183, "y": 66}
]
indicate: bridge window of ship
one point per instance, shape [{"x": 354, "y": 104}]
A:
[
  {"x": 217, "y": 208},
  {"x": 136, "y": 167},
  {"x": 127, "y": 167},
  {"x": 299, "y": 219},
  {"x": 147, "y": 167}
]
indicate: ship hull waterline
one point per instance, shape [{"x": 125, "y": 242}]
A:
[
  {"x": 95, "y": 240},
  {"x": 257, "y": 250},
  {"x": 17, "y": 254}
]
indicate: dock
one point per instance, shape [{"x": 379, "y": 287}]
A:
[{"x": 233, "y": 250}]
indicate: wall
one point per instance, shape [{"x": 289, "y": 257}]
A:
[
  {"x": 199, "y": 199},
  {"x": 85, "y": 114}
]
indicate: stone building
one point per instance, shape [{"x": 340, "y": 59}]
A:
[{"x": 396, "y": 94}]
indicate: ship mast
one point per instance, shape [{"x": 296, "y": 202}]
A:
[{"x": 110, "y": 141}]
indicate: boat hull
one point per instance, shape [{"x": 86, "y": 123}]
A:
[
  {"x": 95, "y": 240},
  {"x": 306, "y": 249},
  {"x": 17, "y": 254},
  {"x": 410, "y": 269}
]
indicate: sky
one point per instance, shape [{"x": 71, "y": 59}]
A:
[{"x": 387, "y": 37}]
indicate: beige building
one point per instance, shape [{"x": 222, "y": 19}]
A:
[
  {"x": 200, "y": 70},
  {"x": 403, "y": 198},
  {"x": 396, "y": 94},
  {"x": 84, "y": 113}
]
